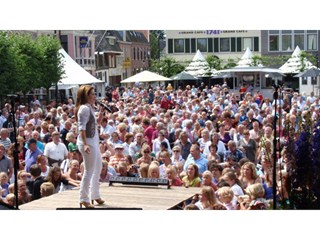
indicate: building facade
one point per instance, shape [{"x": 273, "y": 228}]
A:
[
  {"x": 183, "y": 44},
  {"x": 121, "y": 54}
]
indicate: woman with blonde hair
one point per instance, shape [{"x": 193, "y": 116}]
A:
[
  {"x": 207, "y": 198},
  {"x": 256, "y": 199},
  {"x": 122, "y": 131},
  {"x": 153, "y": 170},
  {"x": 249, "y": 175}
]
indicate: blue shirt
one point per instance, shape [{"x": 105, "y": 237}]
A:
[
  {"x": 238, "y": 154},
  {"x": 31, "y": 158},
  {"x": 202, "y": 163},
  {"x": 40, "y": 145}
]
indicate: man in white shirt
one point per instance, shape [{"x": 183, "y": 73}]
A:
[{"x": 55, "y": 151}]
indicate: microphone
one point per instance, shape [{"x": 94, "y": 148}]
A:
[{"x": 104, "y": 106}]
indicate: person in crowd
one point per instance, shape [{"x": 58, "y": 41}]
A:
[
  {"x": 23, "y": 193},
  {"x": 207, "y": 178},
  {"x": 35, "y": 182},
  {"x": 225, "y": 197},
  {"x": 255, "y": 200},
  {"x": 157, "y": 142},
  {"x": 136, "y": 145},
  {"x": 171, "y": 174},
  {"x": 192, "y": 178},
  {"x": 5, "y": 162},
  {"x": 153, "y": 170},
  {"x": 4, "y": 138},
  {"x": 197, "y": 158},
  {"x": 249, "y": 175},
  {"x": 207, "y": 198},
  {"x": 176, "y": 156},
  {"x": 55, "y": 151},
  {"x": 46, "y": 189},
  {"x": 42, "y": 161},
  {"x": 146, "y": 155},
  {"x": 105, "y": 174},
  {"x": 184, "y": 144},
  {"x": 249, "y": 146}
]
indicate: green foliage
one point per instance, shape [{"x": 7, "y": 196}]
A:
[
  {"x": 51, "y": 61},
  {"x": 28, "y": 63},
  {"x": 155, "y": 37},
  {"x": 230, "y": 63},
  {"x": 8, "y": 68},
  {"x": 167, "y": 67},
  {"x": 214, "y": 62}
]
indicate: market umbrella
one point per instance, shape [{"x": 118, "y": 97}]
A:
[
  {"x": 312, "y": 72},
  {"x": 183, "y": 76}
]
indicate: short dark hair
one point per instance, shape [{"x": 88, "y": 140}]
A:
[{"x": 35, "y": 170}]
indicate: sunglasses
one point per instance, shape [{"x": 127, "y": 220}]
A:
[
  {"x": 146, "y": 151},
  {"x": 176, "y": 151}
]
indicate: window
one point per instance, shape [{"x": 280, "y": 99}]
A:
[
  {"x": 299, "y": 41},
  {"x": 170, "y": 46},
  {"x": 273, "y": 43},
  {"x": 314, "y": 81},
  {"x": 304, "y": 81},
  {"x": 193, "y": 45},
  {"x": 187, "y": 44},
  {"x": 179, "y": 45},
  {"x": 134, "y": 53},
  {"x": 202, "y": 44},
  {"x": 247, "y": 43},
  {"x": 286, "y": 43},
  {"x": 224, "y": 44},
  {"x": 312, "y": 41}
]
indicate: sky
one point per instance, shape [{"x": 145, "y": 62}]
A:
[{"x": 163, "y": 15}]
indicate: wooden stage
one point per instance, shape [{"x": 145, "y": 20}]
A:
[{"x": 118, "y": 196}]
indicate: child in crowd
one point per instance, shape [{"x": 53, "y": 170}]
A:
[
  {"x": 225, "y": 197},
  {"x": 171, "y": 174}
]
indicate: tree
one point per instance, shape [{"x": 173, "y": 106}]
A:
[
  {"x": 51, "y": 63},
  {"x": 230, "y": 63},
  {"x": 8, "y": 58},
  {"x": 214, "y": 62},
  {"x": 27, "y": 64},
  {"x": 156, "y": 37},
  {"x": 167, "y": 66}
]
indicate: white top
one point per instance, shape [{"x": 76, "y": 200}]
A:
[
  {"x": 44, "y": 174},
  {"x": 221, "y": 148},
  {"x": 83, "y": 118},
  {"x": 56, "y": 151},
  {"x": 156, "y": 146}
]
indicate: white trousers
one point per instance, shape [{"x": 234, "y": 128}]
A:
[{"x": 92, "y": 169}]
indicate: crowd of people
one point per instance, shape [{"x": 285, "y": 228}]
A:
[{"x": 204, "y": 137}]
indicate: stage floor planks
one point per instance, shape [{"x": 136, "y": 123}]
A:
[{"x": 119, "y": 196}]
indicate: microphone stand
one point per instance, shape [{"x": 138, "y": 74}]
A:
[
  {"x": 274, "y": 176},
  {"x": 15, "y": 151}
]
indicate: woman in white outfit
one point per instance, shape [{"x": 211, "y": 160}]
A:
[{"x": 88, "y": 145}]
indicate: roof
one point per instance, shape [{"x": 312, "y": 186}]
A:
[
  {"x": 146, "y": 76},
  {"x": 295, "y": 63},
  {"x": 199, "y": 67},
  {"x": 74, "y": 73},
  {"x": 105, "y": 42},
  {"x": 247, "y": 59},
  {"x": 131, "y": 36}
]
